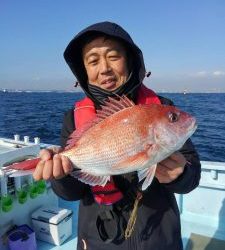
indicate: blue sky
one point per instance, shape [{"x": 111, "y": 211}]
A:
[{"x": 183, "y": 42}]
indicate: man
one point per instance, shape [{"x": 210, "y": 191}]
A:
[{"x": 105, "y": 61}]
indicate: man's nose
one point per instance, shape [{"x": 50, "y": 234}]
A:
[{"x": 105, "y": 66}]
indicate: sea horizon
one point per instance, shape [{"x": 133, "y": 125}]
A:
[{"x": 80, "y": 91}]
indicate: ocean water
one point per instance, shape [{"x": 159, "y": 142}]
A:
[{"x": 40, "y": 114}]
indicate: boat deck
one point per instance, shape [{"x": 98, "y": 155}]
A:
[
  {"x": 202, "y": 211},
  {"x": 197, "y": 234}
]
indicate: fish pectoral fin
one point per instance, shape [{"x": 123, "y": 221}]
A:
[
  {"x": 148, "y": 174},
  {"x": 90, "y": 179},
  {"x": 137, "y": 161},
  {"x": 133, "y": 162}
]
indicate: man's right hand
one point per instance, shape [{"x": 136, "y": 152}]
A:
[{"x": 52, "y": 165}]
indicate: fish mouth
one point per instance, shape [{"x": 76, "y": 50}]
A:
[
  {"x": 188, "y": 128},
  {"x": 193, "y": 126}
]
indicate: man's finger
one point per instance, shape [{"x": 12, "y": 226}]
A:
[
  {"x": 45, "y": 154},
  {"x": 57, "y": 169},
  {"x": 162, "y": 178},
  {"x": 169, "y": 163},
  {"x": 178, "y": 157},
  {"x": 47, "y": 170},
  {"x": 67, "y": 166},
  {"x": 162, "y": 170},
  {"x": 55, "y": 149},
  {"x": 37, "y": 175}
]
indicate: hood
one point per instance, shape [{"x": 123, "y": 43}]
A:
[{"x": 73, "y": 55}]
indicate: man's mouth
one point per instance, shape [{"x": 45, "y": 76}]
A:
[{"x": 109, "y": 83}]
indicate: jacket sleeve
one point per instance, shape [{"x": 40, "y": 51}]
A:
[
  {"x": 190, "y": 178},
  {"x": 68, "y": 188}
]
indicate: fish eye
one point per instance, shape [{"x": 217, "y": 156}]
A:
[{"x": 173, "y": 117}]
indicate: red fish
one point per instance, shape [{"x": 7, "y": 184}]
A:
[{"x": 124, "y": 138}]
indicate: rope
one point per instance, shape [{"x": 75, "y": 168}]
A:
[{"x": 133, "y": 217}]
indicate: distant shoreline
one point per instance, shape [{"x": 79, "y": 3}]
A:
[{"x": 74, "y": 91}]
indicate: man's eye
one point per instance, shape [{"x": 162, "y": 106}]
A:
[
  {"x": 113, "y": 57},
  {"x": 92, "y": 62}
]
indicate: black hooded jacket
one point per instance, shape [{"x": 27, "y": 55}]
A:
[
  {"x": 73, "y": 56},
  {"x": 158, "y": 220}
]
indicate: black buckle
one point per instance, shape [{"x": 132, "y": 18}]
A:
[{"x": 108, "y": 226}]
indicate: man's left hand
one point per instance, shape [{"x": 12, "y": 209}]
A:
[{"x": 169, "y": 169}]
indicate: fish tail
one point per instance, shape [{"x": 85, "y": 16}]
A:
[{"x": 24, "y": 165}]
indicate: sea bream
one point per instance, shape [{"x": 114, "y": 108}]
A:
[{"x": 123, "y": 138}]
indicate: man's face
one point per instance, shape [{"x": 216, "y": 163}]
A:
[{"x": 105, "y": 61}]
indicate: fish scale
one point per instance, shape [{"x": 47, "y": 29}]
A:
[{"x": 110, "y": 153}]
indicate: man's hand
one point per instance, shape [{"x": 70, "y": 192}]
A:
[
  {"x": 169, "y": 169},
  {"x": 52, "y": 165}
]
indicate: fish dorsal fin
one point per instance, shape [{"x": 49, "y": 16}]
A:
[
  {"x": 111, "y": 106},
  {"x": 114, "y": 105},
  {"x": 76, "y": 134}
]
